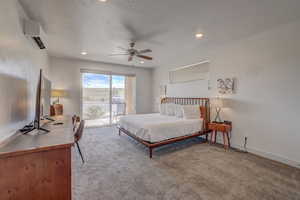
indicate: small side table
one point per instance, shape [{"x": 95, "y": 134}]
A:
[
  {"x": 223, "y": 128},
  {"x": 56, "y": 109}
]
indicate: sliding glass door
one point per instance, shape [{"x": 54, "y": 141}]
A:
[
  {"x": 106, "y": 97},
  {"x": 118, "y": 98},
  {"x": 96, "y": 99}
]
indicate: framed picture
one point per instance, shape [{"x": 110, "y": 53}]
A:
[{"x": 225, "y": 86}]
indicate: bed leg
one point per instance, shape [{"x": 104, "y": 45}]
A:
[
  {"x": 119, "y": 132},
  {"x": 150, "y": 152},
  {"x": 206, "y": 137}
]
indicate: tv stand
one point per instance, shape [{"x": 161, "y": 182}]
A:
[
  {"x": 29, "y": 128},
  {"x": 26, "y": 130},
  {"x": 43, "y": 129},
  {"x": 49, "y": 118}
]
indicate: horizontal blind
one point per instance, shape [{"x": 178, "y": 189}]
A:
[{"x": 96, "y": 71}]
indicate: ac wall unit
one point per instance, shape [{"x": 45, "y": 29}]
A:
[{"x": 34, "y": 31}]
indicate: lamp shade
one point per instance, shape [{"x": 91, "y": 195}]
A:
[
  {"x": 58, "y": 93},
  {"x": 217, "y": 102}
]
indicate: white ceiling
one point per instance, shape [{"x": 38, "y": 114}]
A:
[{"x": 166, "y": 26}]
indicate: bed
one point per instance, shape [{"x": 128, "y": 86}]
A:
[{"x": 154, "y": 130}]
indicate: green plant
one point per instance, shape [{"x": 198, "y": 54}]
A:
[{"x": 94, "y": 112}]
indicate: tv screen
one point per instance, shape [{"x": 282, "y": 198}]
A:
[
  {"x": 45, "y": 97},
  {"x": 42, "y": 105}
]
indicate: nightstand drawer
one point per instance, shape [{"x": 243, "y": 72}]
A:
[{"x": 219, "y": 127}]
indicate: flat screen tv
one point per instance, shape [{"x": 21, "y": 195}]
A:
[
  {"x": 42, "y": 105},
  {"x": 45, "y": 97}
]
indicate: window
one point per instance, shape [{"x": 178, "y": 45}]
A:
[{"x": 106, "y": 97}]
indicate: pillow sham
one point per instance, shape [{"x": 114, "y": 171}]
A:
[
  {"x": 163, "y": 109},
  {"x": 191, "y": 111},
  {"x": 178, "y": 111},
  {"x": 170, "y": 109}
]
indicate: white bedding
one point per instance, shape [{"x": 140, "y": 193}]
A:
[{"x": 156, "y": 127}]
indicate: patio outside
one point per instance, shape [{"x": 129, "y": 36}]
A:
[{"x": 96, "y": 99}]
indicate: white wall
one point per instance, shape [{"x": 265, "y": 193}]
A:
[
  {"x": 186, "y": 89},
  {"x": 266, "y": 106},
  {"x": 20, "y": 62},
  {"x": 66, "y": 75}
]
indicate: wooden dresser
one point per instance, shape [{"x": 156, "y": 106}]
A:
[{"x": 38, "y": 167}]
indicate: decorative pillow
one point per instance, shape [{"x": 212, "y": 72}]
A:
[
  {"x": 191, "y": 111},
  {"x": 163, "y": 109},
  {"x": 203, "y": 111},
  {"x": 178, "y": 111},
  {"x": 170, "y": 109}
]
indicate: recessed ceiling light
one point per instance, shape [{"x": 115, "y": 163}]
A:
[
  {"x": 102, "y": 0},
  {"x": 142, "y": 62},
  {"x": 199, "y": 35},
  {"x": 84, "y": 53}
]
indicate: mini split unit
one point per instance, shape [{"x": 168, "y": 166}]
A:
[{"x": 34, "y": 32}]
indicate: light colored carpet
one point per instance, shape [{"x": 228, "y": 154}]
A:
[{"x": 118, "y": 168}]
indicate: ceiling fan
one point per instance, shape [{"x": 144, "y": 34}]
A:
[{"x": 131, "y": 52}]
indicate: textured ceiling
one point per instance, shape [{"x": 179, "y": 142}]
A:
[{"x": 166, "y": 26}]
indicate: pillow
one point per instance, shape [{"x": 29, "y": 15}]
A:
[
  {"x": 191, "y": 111},
  {"x": 170, "y": 109},
  {"x": 203, "y": 111},
  {"x": 163, "y": 109},
  {"x": 178, "y": 111}
]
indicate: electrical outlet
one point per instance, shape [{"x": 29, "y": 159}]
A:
[{"x": 245, "y": 143}]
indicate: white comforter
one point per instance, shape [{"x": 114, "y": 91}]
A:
[{"x": 156, "y": 127}]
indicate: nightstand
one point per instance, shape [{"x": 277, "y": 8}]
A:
[{"x": 225, "y": 129}]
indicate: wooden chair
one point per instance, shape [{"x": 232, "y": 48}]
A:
[
  {"x": 75, "y": 121},
  {"x": 78, "y": 134}
]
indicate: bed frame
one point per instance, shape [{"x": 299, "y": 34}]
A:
[{"x": 205, "y": 114}]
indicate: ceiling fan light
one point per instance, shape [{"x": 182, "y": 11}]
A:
[{"x": 199, "y": 35}]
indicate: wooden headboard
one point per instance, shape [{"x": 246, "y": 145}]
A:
[{"x": 202, "y": 102}]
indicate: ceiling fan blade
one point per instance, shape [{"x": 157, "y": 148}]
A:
[
  {"x": 130, "y": 58},
  {"x": 119, "y": 54},
  {"x": 135, "y": 35},
  {"x": 145, "y": 51},
  {"x": 122, "y": 48},
  {"x": 145, "y": 57}
]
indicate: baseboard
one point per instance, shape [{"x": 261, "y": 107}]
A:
[{"x": 270, "y": 156}]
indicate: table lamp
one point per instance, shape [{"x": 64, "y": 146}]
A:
[
  {"x": 58, "y": 93},
  {"x": 57, "y": 108},
  {"x": 218, "y": 104}
]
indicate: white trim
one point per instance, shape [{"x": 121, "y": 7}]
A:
[
  {"x": 81, "y": 96},
  {"x": 264, "y": 154},
  {"x": 270, "y": 156},
  {"x": 110, "y": 99},
  {"x": 187, "y": 66}
]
